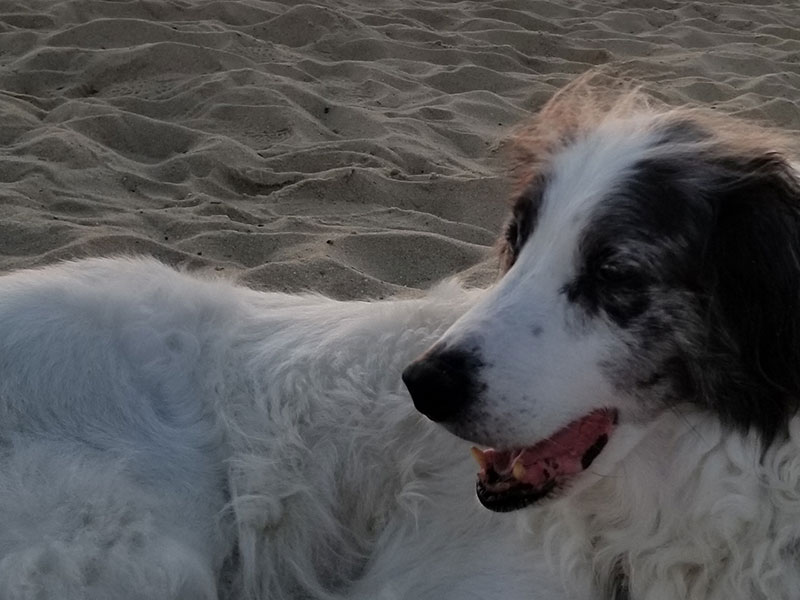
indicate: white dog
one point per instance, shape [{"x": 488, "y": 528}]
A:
[{"x": 164, "y": 436}]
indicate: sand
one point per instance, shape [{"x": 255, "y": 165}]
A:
[{"x": 350, "y": 147}]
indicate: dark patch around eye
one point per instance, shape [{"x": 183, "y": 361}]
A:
[
  {"x": 524, "y": 215},
  {"x": 623, "y": 297},
  {"x": 625, "y": 308},
  {"x": 652, "y": 210}
]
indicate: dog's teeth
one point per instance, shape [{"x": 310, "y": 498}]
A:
[
  {"x": 477, "y": 454},
  {"x": 518, "y": 471}
]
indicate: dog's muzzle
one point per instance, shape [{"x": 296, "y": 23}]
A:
[{"x": 442, "y": 382}]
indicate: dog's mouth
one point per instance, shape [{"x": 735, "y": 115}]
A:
[{"x": 513, "y": 479}]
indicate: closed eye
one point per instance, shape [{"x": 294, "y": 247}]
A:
[
  {"x": 618, "y": 275},
  {"x": 521, "y": 225},
  {"x": 611, "y": 284},
  {"x": 512, "y": 235}
]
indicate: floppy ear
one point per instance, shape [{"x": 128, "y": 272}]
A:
[{"x": 753, "y": 269}]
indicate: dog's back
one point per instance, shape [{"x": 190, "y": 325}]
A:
[
  {"x": 167, "y": 436},
  {"x": 112, "y": 464}
]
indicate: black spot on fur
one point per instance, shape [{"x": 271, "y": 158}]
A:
[{"x": 618, "y": 585}]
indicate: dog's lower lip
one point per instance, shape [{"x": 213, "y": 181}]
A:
[
  {"x": 512, "y": 479},
  {"x": 593, "y": 451},
  {"x": 509, "y": 502}
]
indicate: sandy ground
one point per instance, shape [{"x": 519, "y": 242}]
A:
[{"x": 352, "y": 147}]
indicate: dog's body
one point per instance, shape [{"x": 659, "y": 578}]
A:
[
  {"x": 159, "y": 430},
  {"x": 169, "y": 437}
]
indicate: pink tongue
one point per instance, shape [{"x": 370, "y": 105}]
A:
[{"x": 563, "y": 454}]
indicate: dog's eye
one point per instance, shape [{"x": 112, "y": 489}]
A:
[
  {"x": 618, "y": 275},
  {"x": 510, "y": 248},
  {"x": 512, "y": 231}
]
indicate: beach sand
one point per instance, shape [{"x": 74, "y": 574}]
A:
[{"x": 349, "y": 147}]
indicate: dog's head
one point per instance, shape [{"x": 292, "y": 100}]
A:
[{"x": 651, "y": 263}]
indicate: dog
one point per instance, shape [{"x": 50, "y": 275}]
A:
[
  {"x": 635, "y": 374},
  {"x": 630, "y": 380}
]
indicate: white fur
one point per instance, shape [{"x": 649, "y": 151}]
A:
[
  {"x": 541, "y": 358},
  {"x": 693, "y": 509},
  {"x": 165, "y": 436}
]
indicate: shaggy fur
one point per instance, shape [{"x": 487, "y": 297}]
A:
[
  {"x": 169, "y": 437},
  {"x": 164, "y": 436},
  {"x": 653, "y": 279}
]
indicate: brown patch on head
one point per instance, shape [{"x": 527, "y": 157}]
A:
[
  {"x": 598, "y": 98},
  {"x": 573, "y": 112}
]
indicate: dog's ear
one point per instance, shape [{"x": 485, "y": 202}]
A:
[{"x": 752, "y": 268}]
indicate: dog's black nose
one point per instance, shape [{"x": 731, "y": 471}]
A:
[{"x": 441, "y": 383}]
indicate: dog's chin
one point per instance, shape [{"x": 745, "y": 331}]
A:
[{"x": 512, "y": 479}]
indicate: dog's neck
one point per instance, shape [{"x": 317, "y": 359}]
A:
[{"x": 655, "y": 523}]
